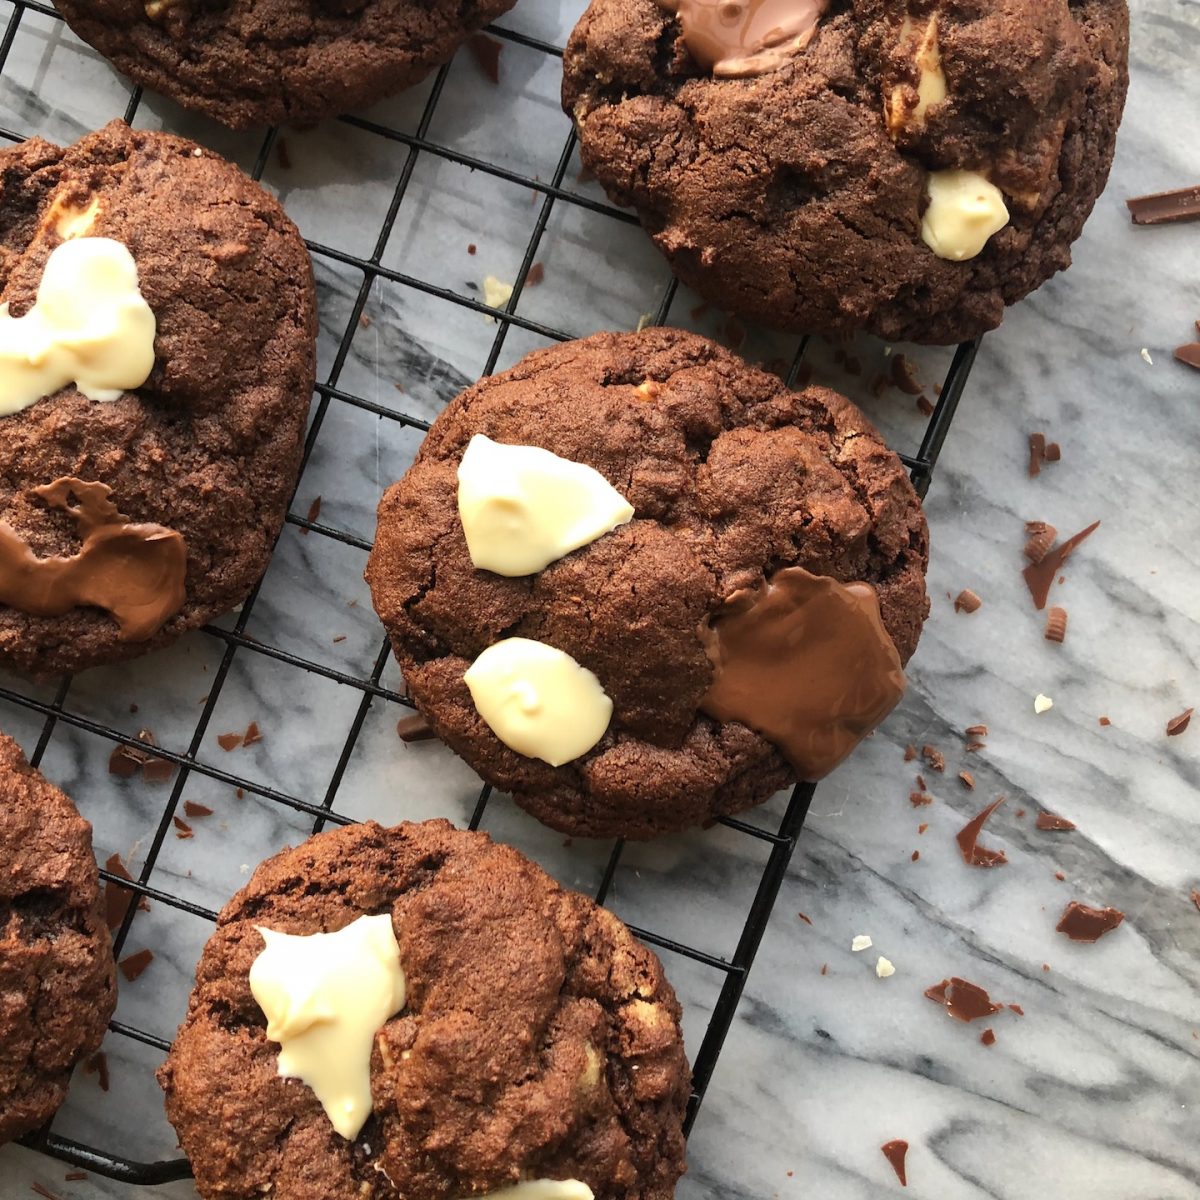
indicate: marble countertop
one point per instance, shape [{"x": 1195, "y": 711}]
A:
[{"x": 1095, "y": 1092}]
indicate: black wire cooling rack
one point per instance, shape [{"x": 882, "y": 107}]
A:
[{"x": 731, "y": 970}]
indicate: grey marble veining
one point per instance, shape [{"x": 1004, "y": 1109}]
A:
[{"x": 1095, "y": 1092}]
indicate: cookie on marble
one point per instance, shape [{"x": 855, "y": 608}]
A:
[
  {"x": 727, "y": 607},
  {"x": 157, "y": 350},
  {"x": 268, "y": 62},
  {"x": 908, "y": 169},
  {"x": 497, "y": 1029},
  {"x": 57, "y": 978}
]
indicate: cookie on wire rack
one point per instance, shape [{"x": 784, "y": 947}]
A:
[
  {"x": 269, "y": 62},
  {"x": 57, "y": 977},
  {"x": 826, "y": 166},
  {"x": 419, "y": 1012},
  {"x": 157, "y": 354},
  {"x": 640, "y": 584}
]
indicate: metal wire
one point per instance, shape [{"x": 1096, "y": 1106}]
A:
[{"x": 117, "y": 1162}]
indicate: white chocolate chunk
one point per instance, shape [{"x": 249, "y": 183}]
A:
[
  {"x": 522, "y": 507},
  {"x": 1042, "y": 704},
  {"x": 543, "y": 1189},
  {"x": 325, "y": 998},
  {"x": 884, "y": 968},
  {"x": 496, "y": 294},
  {"x": 931, "y": 82},
  {"x": 71, "y": 222},
  {"x": 89, "y": 326},
  {"x": 861, "y": 942},
  {"x": 965, "y": 209},
  {"x": 538, "y": 701}
]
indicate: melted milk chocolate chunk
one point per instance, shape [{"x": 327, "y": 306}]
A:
[{"x": 806, "y": 662}]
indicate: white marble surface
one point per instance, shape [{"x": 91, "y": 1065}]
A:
[{"x": 1095, "y": 1093}]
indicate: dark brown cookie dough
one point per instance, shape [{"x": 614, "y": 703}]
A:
[
  {"x": 57, "y": 978},
  {"x": 732, "y": 477},
  {"x": 784, "y": 197},
  {"x": 209, "y": 447},
  {"x": 260, "y": 62},
  {"x": 538, "y": 1036}
]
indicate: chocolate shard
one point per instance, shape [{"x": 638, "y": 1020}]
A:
[
  {"x": 1164, "y": 208},
  {"x": 134, "y": 964},
  {"x": 1189, "y": 354},
  {"x": 975, "y": 855},
  {"x": 962, "y": 1000},
  {"x": 895, "y": 1152},
  {"x": 1052, "y": 823},
  {"x": 1082, "y": 923}
]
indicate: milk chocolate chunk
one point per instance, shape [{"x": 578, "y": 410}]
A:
[
  {"x": 135, "y": 572},
  {"x": 738, "y": 38},
  {"x": 1083, "y": 923},
  {"x": 962, "y": 1000},
  {"x": 806, "y": 662},
  {"x": 1163, "y": 208}
]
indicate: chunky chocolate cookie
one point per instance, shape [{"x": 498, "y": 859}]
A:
[
  {"x": 147, "y": 459},
  {"x": 833, "y": 165},
  {"x": 260, "y": 62},
  {"x": 57, "y": 978},
  {"x": 537, "y": 1040},
  {"x": 715, "y": 621}
]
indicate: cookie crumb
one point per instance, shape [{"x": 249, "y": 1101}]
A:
[{"x": 496, "y": 294}]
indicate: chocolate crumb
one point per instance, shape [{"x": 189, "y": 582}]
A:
[
  {"x": 229, "y": 741},
  {"x": 240, "y": 793},
  {"x": 1083, "y": 923},
  {"x": 535, "y": 275},
  {"x": 916, "y": 854},
  {"x": 1053, "y": 452},
  {"x": 922, "y": 784},
  {"x": 975, "y": 855},
  {"x": 1020, "y": 812},
  {"x": 1037, "y": 453},
  {"x": 1056, "y": 625},
  {"x": 1017, "y": 1009},
  {"x": 1039, "y": 576},
  {"x": 806, "y": 920},
  {"x": 967, "y": 601},
  {"x": 1060, "y": 877},
  {"x": 1054, "y": 824},
  {"x": 1189, "y": 355},
  {"x": 1045, "y": 966},
  {"x": 1105, "y": 722},
  {"x": 824, "y": 968},
  {"x": 968, "y": 780},
  {"x": 133, "y": 965},
  {"x": 253, "y": 735},
  {"x": 988, "y": 1037},
  {"x": 364, "y": 321},
  {"x": 919, "y": 799},
  {"x": 196, "y": 810},
  {"x": 976, "y": 731},
  {"x": 414, "y": 729},
  {"x": 933, "y": 758},
  {"x": 910, "y": 752},
  {"x": 471, "y": 247},
  {"x": 314, "y": 511},
  {"x": 895, "y": 1152},
  {"x": 962, "y": 1000},
  {"x": 924, "y": 406},
  {"x": 904, "y": 376},
  {"x": 486, "y": 52},
  {"x": 98, "y": 1065},
  {"x": 1162, "y": 208},
  {"x": 922, "y": 827},
  {"x": 1176, "y": 725}
]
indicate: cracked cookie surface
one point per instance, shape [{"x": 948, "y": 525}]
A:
[
  {"x": 795, "y": 199},
  {"x": 538, "y": 1037},
  {"x": 267, "y": 62},
  {"x": 732, "y": 476},
  {"x": 210, "y": 445},
  {"x": 57, "y": 978}
]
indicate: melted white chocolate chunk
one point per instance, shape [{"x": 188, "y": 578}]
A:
[
  {"x": 325, "y": 998},
  {"x": 543, "y": 1189},
  {"x": 901, "y": 112},
  {"x": 965, "y": 209},
  {"x": 538, "y": 701},
  {"x": 90, "y": 326},
  {"x": 522, "y": 507}
]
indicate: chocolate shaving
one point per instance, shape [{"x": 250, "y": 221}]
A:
[
  {"x": 134, "y": 964},
  {"x": 1164, "y": 208},
  {"x": 1054, "y": 824},
  {"x": 824, "y": 968},
  {"x": 1056, "y": 625},
  {"x": 414, "y": 729},
  {"x": 314, "y": 511},
  {"x": 1189, "y": 355},
  {"x": 933, "y": 758},
  {"x": 196, "y": 810},
  {"x": 75, "y": 1176},
  {"x": 1176, "y": 725},
  {"x": 904, "y": 376},
  {"x": 1037, "y": 454},
  {"x": 967, "y": 601},
  {"x": 44, "y": 1192},
  {"x": 471, "y": 247},
  {"x": 184, "y": 829},
  {"x": 895, "y": 1152},
  {"x": 98, "y": 1065},
  {"x": 975, "y": 855},
  {"x": 968, "y": 780},
  {"x": 962, "y": 1000},
  {"x": 806, "y": 920},
  {"x": 976, "y": 731},
  {"x": 988, "y": 1037},
  {"x": 1039, "y": 576},
  {"x": 1082, "y": 923},
  {"x": 124, "y": 762},
  {"x": 1041, "y": 538},
  {"x": 486, "y": 52},
  {"x": 158, "y": 770},
  {"x": 922, "y": 784}
]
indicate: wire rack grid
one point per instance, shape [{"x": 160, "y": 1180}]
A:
[{"x": 54, "y": 710}]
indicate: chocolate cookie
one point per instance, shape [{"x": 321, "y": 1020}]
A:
[
  {"x": 537, "y": 1040},
  {"x": 751, "y": 506},
  {"x": 147, "y": 461},
  {"x": 265, "y": 62},
  {"x": 905, "y": 168},
  {"x": 57, "y": 978}
]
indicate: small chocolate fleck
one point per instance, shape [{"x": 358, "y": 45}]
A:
[
  {"x": 184, "y": 830},
  {"x": 919, "y": 799},
  {"x": 933, "y": 758},
  {"x": 1060, "y": 877},
  {"x": 229, "y": 741},
  {"x": 1176, "y": 725},
  {"x": 341, "y": 637},
  {"x": 922, "y": 827},
  {"x": 988, "y": 1037},
  {"x": 962, "y": 1000},
  {"x": 1039, "y": 576},
  {"x": 1020, "y": 812},
  {"x": 971, "y": 747},
  {"x": 364, "y": 321},
  {"x": 916, "y": 854},
  {"x": 922, "y": 784},
  {"x": 806, "y": 920},
  {"x": 904, "y": 376},
  {"x": 196, "y": 810},
  {"x": 240, "y": 793},
  {"x": 471, "y": 248},
  {"x": 910, "y": 752},
  {"x": 1082, "y": 923},
  {"x": 1053, "y": 452},
  {"x": 967, "y": 601},
  {"x": 486, "y": 52},
  {"x": 1189, "y": 354},
  {"x": 98, "y": 1065},
  {"x": 314, "y": 511},
  {"x": 1056, "y": 625},
  {"x": 968, "y": 780},
  {"x": 1054, "y": 824},
  {"x": 75, "y": 1176},
  {"x": 1161, "y": 208},
  {"x": 975, "y": 855},
  {"x": 824, "y": 968},
  {"x": 1196, "y": 899},
  {"x": 134, "y": 964},
  {"x": 895, "y": 1152},
  {"x": 535, "y": 275},
  {"x": 414, "y": 729},
  {"x": 1105, "y": 722}
]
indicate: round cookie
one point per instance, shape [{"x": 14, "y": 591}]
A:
[
  {"x": 57, "y": 978},
  {"x": 266, "y": 62},
  {"x": 180, "y": 485},
  {"x": 538, "y": 1039},
  {"x": 733, "y": 478},
  {"x": 796, "y": 191}
]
